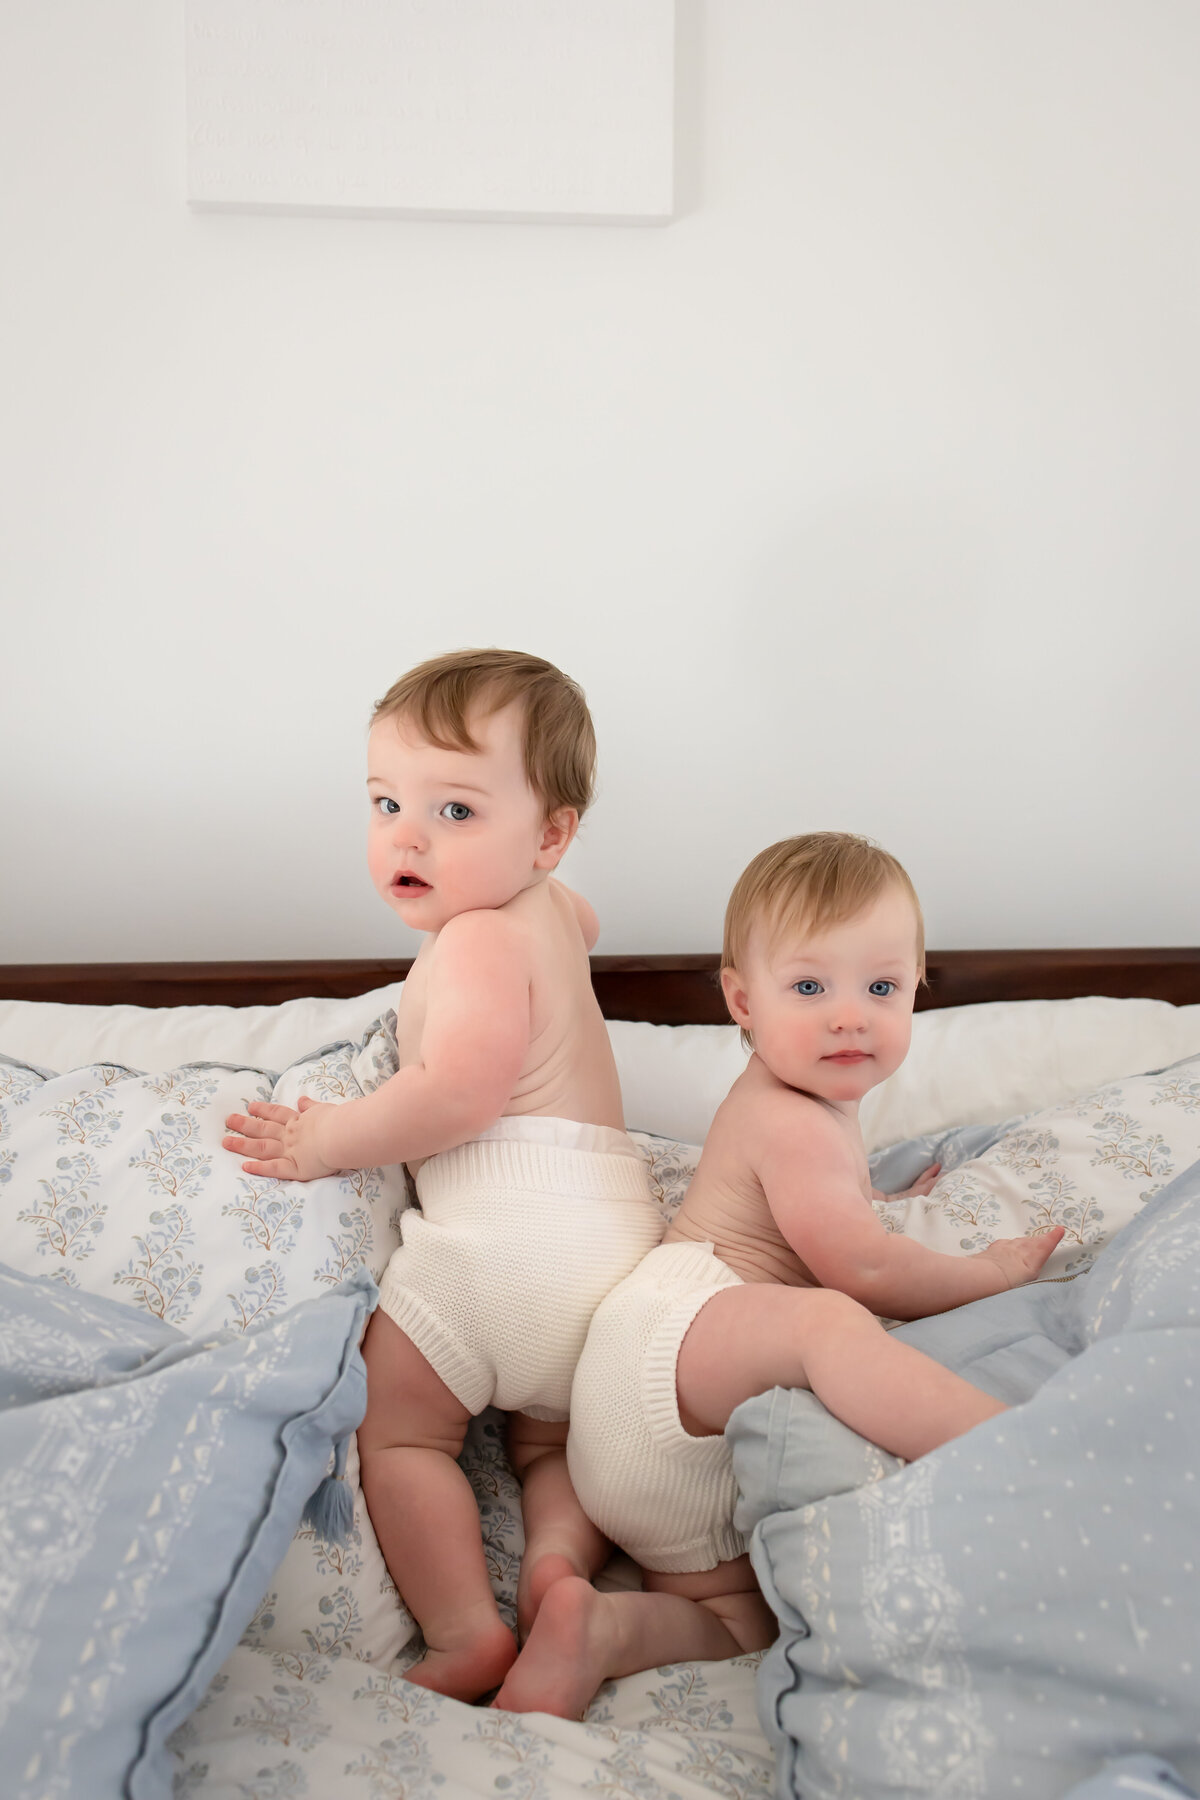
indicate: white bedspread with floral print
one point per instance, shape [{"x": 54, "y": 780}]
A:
[{"x": 266, "y": 1732}]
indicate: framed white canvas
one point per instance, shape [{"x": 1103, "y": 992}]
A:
[{"x": 550, "y": 110}]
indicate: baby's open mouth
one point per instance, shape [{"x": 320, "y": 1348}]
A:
[{"x": 413, "y": 883}]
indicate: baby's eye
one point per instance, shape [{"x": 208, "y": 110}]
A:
[
  {"x": 881, "y": 989},
  {"x": 387, "y": 807},
  {"x": 808, "y": 987},
  {"x": 456, "y": 810}
]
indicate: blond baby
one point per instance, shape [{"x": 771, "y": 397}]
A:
[{"x": 770, "y": 1275}]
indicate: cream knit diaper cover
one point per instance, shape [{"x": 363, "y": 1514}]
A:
[
  {"x": 520, "y": 1235},
  {"x": 665, "y": 1497}
]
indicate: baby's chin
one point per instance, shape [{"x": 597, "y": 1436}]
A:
[{"x": 834, "y": 1083}]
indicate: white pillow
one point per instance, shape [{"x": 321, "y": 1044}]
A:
[
  {"x": 115, "y": 1182},
  {"x": 58, "y": 1036},
  {"x": 980, "y": 1064},
  {"x": 674, "y": 1077},
  {"x": 968, "y": 1064},
  {"x": 1089, "y": 1165}
]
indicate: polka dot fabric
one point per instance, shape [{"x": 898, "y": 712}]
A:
[{"x": 1016, "y": 1610}]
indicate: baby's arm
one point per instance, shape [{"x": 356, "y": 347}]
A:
[
  {"x": 473, "y": 1045},
  {"x": 808, "y": 1175}
]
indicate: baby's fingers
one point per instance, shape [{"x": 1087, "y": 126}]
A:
[
  {"x": 277, "y": 1169},
  {"x": 249, "y": 1146},
  {"x": 1042, "y": 1246},
  {"x": 254, "y": 1128}
]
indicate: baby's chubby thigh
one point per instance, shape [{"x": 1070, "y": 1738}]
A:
[{"x": 762, "y": 1335}]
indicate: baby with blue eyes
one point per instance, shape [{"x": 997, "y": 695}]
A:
[
  {"x": 775, "y": 1272},
  {"x": 506, "y": 1108}
]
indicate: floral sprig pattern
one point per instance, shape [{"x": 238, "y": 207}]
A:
[
  {"x": 670, "y": 1166},
  {"x": 116, "y": 1182},
  {"x": 1088, "y": 1165},
  {"x": 689, "y": 1732}
]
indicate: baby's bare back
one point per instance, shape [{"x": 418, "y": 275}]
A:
[{"x": 567, "y": 1071}]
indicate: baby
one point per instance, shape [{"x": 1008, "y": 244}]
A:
[
  {"x": 533, "y": 1201},
  {"x": 770, "y": 1275}
]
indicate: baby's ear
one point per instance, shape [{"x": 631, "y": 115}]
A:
[
  {"x": 558, "y": 830},
  {"x": 735, "y": 998}
]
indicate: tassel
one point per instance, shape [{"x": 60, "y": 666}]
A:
[{"x": 330, "y": 1510}]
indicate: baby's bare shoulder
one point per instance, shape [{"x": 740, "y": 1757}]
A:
[
  {"x": 550, "y": 927},
  {"x": 482, "y": 935},
  {"x": 579, "y": 910},
  {"x": 767, "y": 1118}
]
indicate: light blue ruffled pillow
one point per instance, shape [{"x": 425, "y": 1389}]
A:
[{"x": 149, "y": 1486}]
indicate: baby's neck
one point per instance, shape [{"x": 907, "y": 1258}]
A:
[{"x": 845, "y": 1109}]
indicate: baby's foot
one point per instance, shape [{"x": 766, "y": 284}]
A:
[
  {"x": 564, "y": 1661},
  {"x": 468, "y": 1669}
]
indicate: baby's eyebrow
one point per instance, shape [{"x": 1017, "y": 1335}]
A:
[{"x": 467, "y": 787}]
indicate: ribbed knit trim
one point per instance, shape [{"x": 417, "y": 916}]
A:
[
  {"x": 468, "y": 1377},
  {"x": 722, "y": 1544},
  {"x": 507, "y": 1165},
  {"x": 562, "y": 1134},
  {"x": 698, "y": 1270}
]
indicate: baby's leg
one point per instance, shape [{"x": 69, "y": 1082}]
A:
[
  {"x": 760, "y": 1335},
  {"x": 560, "y": 1539},
  {"x": 425, "y": 1516},
  {"x": 581, "y": 1639}
]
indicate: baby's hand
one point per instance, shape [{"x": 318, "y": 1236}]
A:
[
  {"x": 283, "y": 1142},
  {"x": 1021, "y": 1259},
  {"x": 919, "y": 1188}
]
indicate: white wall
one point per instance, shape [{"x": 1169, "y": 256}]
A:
[{"x": 862, "y": 496}]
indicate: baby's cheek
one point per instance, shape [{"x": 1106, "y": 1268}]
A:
[{"x": 377, "y": 861}]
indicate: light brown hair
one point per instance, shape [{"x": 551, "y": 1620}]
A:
[
  {"x": 559, "y": 742},
  {"x": 807, "y": 883}
]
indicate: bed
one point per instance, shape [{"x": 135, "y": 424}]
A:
[{"x": 172, "y": 1623}]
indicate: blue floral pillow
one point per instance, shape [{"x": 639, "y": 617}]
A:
[
  {"x": 1089, "y": 1165},
  {"x": 150, "y": 1485},
  {"x": 114, "y": 1182}
]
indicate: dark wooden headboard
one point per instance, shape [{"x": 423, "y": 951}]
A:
[{"x": 665, "y": 990}]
